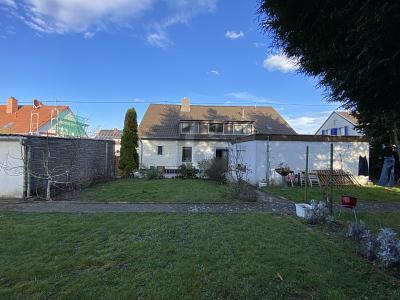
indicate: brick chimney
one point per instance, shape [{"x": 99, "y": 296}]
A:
[
  {"x": 12, "y": 105},
  {"x": 185, "y": 106}
]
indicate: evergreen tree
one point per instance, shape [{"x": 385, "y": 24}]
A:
[
  {"x": 129, "y": 159},
  {"x": 352, "y": 48}
]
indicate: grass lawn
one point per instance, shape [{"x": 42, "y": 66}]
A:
[
  {"x": 363, "y": 193},
  {"x": 161, "y": 190},
  {"x": 174, "y": 256},
  {"x": 376, "y": 220}
]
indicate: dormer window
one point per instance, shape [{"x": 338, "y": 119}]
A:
[
  {"x": 189, "y": 127},
  {"x": 216, "y": 128}
]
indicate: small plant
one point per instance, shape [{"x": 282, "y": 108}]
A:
[
  {"x": 203, "y": 165},
  {"x": 243, "y": 191},
  {"x": 389, "y": 248},
  {"x": 217, "y": 170},
  {"x": 319, "y": 212},
  {"x": 152, "y": 173},
  {"x": 369, "y": 244},
  {"x": 355, "y": 231},
  {"x": 187, "y": 172}
]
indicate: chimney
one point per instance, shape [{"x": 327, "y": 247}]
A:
[
  {"x": 12, "y": 105},
  {"x": 185, "y": 106}
]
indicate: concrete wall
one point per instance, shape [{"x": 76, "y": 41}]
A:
[
  {"x": 172, "y": 151},
  {"x": 11, "y": 169},
  {"x": 337, "y": 121},
  {"x": 293, "y": 154}
]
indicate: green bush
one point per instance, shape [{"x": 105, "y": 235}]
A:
[
  {"x": 187, "y": 172},
  {"x": 217, "y": 170},
  {"x": 152, "y": 173}
]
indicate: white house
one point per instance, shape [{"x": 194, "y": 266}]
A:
[
  {"x": 339, "y": 123},
  {"x": 263, "y": 153},
  {"x": 171, "y": 135}
]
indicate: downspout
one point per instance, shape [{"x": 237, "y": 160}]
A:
[
  {"x": 267, "y": 163},
  {"x": 141, "y": 154},
  {"x": 27, "y": 170}
]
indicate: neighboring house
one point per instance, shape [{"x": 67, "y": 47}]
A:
[
  {"x": 339, "y": 123},
  {"x": 263, "y": 153},
  {"x": 40, "y": 119},
  {"x": 111, "y": 134},
  {"x": 171, "y": 135}
]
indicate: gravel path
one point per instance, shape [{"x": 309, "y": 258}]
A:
[{"x": 267, "y": 204}]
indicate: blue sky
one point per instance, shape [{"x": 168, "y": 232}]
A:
[{"x": 102, "y": 57}]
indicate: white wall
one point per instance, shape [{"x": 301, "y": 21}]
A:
[
  {"x": 293, "y": 154},
  {"x": 11, "y": 169},
  {"x": 337, "y": 121},
  {"x": 172, "y": 151}
]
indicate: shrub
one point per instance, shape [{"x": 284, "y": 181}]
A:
[
  {"x": 203, "y": 166},
  {"x": 389, "y": 247},
  {"x": 152, "y": 173},
  {"x": 243, "y": 191},
  {"x": 319, "y": 212},
  {"x": 355, "y": 231},
  {"x": 369, "y": 244},
  {"x": 187, "y": 172},
  {"x": 217, "y": 169}
]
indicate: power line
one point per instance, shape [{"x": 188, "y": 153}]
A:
[{"x": 226, "y": 102}]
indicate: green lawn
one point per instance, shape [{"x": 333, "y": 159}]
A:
[
  {"x": 375, "y": 220},
  {"x": 161, "y": 190},
  {"x": 363, "y": 193},
  {"x": 174, "y": 256}
]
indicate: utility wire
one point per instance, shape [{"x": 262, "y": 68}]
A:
[{"x": 194, "y": 102}]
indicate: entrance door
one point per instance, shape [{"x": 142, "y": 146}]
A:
[{"x": 222, "y": 153}]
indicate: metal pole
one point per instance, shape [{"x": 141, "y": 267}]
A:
[
  {"x": 306, "y": 177},
  {"x": 331, "y": 184}
]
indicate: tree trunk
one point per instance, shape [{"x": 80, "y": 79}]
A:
[{"x": 48, "y": 192}]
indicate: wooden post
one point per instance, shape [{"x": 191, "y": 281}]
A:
[
  {"x": 306, "y": 177},
  {"x": 331, "y": 184}
]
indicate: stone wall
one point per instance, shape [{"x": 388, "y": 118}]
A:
[{"x": 75, "y": 161}]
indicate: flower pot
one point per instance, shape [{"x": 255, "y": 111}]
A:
[{"x": 303, "y": 210}]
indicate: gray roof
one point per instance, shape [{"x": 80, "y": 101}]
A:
[
  {"x": 109, "y": 134},
  {"x": 162, "y": 120}
]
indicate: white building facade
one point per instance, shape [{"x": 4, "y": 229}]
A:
[
  {"x": 263, "y": 154},
  {"x": 339, "y": 123},
  {"x": 172, "y": 135}
]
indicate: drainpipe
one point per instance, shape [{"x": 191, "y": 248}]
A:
[
  {"x": 268, "y": 165},
  {"x": 141, "y": 154}
]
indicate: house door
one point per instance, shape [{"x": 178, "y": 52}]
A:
[{"x": 222, "y": 153}]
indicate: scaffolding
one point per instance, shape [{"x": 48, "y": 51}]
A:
[{"x": 67, "y": 124}]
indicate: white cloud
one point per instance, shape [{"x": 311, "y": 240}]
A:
[
  {"x": 9, "y": 3},
  {"x": 251, "y": 98},
  {"x": 233, "y": 35},
  {"x": 179, "y": 12},
  {"x": 280, "y": 62},
  {"x": 71, "y": 16},
  {"x": 214, "y": 72},
  {"x": 88, "y": 35},
  {"x": 308, "y": 123},
  {"x": 89, "y": 16},
  {"x": 159, "y": 39}
]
